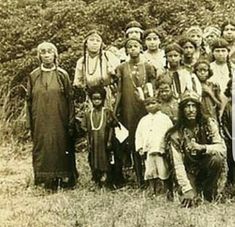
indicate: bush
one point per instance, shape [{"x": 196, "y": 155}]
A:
[{"x": 26, "y": 23}]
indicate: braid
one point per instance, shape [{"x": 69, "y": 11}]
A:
[
  {"x": 229, "y": 68},
  {"x": 101, "y": 71}
]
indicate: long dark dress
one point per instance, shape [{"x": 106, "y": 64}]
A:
[
  {"x": 131, "y": 108},
  {"x": 98, "y": 136},
  {"x": 51, "y": 118}
]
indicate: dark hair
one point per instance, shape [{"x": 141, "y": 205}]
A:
[
  {"x": 164, "y": 78},
  {"x": 97, "y": 90},
  {"x": 227, "y": 22},
  {"x": 227, "y": 91},
  {"x": 151, "y": 30},
  {"x": 132, "y": 38},
  {"x": 133, "y": 24},
  {"x": 185, "y": 40},
  {"x": 203, "y": 61},
  {"x": 94, "y": 31}
]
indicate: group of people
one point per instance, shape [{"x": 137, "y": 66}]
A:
[{"x": 166, "y": 111}]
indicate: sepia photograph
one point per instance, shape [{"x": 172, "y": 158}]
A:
[{"x": 117, "y": 113}]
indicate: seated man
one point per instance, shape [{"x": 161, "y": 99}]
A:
[{"x": 197, "y": 152}]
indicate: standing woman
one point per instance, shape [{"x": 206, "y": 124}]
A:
[
  {"x": 51, "y": 120},
  {"x": 96, "y": 67}
]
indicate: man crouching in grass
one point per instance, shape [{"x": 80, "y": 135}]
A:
[{"x": 197, "y": 152}]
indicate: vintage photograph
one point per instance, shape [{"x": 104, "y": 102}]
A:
[{"x": 117, "y": 113}]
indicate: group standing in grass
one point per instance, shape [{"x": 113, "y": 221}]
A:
[{"x": 171, "y": 104}]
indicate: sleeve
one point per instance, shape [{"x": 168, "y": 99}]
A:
[
  {"x": 198, "y": 85},
  {"x": 79, "y": 80},
  {"x": 70, "y": 95},
  {"x": 180, "y": 171},
  {"x": 139, "y": 135},
  {"x": 113, "y": 62},
  {"x": 29, "y": 123},
  {"x": 218, "y": 145}
]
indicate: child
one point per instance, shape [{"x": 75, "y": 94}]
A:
[
  {"x": 99, "y": 123},
  {"x": 149, "y": 141},
  {"x": 133, "y": 75},
  {"x": 182, "y": 78},
  {"x": 221, "y": 67},
  {"x": 154, "y": 55},
  {"x": 228, "y": 33},
  {"x": 210, "y": 102},
  {"x": 195, "y": 33},
  {"x": 189, "y": 47},
  {"x": 168, "y": 103},
  {"x": 227, "y": 130}
]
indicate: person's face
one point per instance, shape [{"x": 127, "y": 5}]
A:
[
  {"x": 134, "y": 33},
  {"x": 165, "y": 92},
  {"x": 220, "y": 54},
  {"x": 211, "y": 38},
  {"x": 229, "y": 33},
  {"x": 152, "y": 106},
  {"x": 202, "y": 72},
  {"x": 197, "y": 38},
  {"x": 47, "y": 55},
  {"x": 152, "y": 41},
  {"x": 190, "y": 110},
  {"x": 133, "y": 48},
  {"x": 96, "y": 99},
  {"x": 189, "y": 50},
  {"x": 173, "y": 58},
  {"x": 94, "y": 42}
]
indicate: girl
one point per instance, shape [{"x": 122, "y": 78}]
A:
[
  {"x": 196, "y": 34},
  {"x": 133, "y": 30},
  {"x": 51, "y": 120},
  {"x": 168, "y": 103},
  {"x": 221, "y": 67},
  {"x": 189, "y": 47},
  {"x": 133, "y": 75},
  {"x": 149, "y": 141},
  {"x": 182, "y": 78},
  {"x": 228, "y": 33},
  {"x": 210, "y": 102},
  {"x": 96, "y": 67},
  {"x": 99, "y": 122},
  {"x": 210, "y": 34},
  {"x": 154, "y": 55}
]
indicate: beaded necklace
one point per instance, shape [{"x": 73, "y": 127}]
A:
[
  {"x": 101, "y": 120},
  {"x": 95, "y": 67}
]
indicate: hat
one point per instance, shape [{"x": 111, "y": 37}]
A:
[
  {"x": 173, "y": 46},
  {"x": 219, "y": 43},
  {"x": 189, "y": 96},
  {"x": 211, "y": 30},
  {"x": 194, "y": 29},
  {"x": 47, "y": 45},
  {"x": 133, "y": 26}
]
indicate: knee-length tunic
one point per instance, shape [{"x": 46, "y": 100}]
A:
[{"x": 51, "y": 115}]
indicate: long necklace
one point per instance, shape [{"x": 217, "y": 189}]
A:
[
  {"x": 88, "y": 65},
  {"x": 101, "y": 120},
  {"x": 137, "y": 75}
]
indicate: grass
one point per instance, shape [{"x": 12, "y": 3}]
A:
[{"x": 23, "y": 204}]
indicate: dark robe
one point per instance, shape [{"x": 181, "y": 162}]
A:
[{"x": 51, "y": 120}]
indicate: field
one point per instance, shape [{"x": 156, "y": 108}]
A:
[{"x": 23, "y": 204}]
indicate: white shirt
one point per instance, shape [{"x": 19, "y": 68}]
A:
[{"x": 150, "y": 132}]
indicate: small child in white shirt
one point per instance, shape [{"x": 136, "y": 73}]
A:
[{"x": 149, "y": 141}]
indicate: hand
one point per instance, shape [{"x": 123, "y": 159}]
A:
[
  {"x": 140, "y": 151},
  {"x": 195, "y": 147},
  {"x": 187, "y": 199}
]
